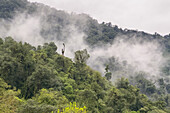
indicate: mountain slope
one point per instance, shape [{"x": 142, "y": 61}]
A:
[
  {"x": 49, "y": 81},
  {"x": 55, "y": 21},
  {"x": 141, "y": 57}
]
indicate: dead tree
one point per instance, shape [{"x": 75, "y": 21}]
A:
[{"x": 63, "y": 50}]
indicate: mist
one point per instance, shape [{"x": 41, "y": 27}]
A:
[
  {"x": 131, "y": 55},
  {"x": 23, "y": 28}
]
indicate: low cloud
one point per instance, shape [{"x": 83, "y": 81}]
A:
[{"x": 139, "y": 55}]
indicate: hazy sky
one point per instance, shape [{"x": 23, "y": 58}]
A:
[{"x": 147, "y": 15}]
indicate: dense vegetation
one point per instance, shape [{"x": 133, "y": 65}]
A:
[
  {"x": 41, "y": 80},
  {"x": 55, "y": 22}
]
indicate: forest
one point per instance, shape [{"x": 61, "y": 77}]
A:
[{"x": 37, "y": 78}]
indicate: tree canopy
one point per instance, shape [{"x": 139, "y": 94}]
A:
[{"x": 41, "y": 80}]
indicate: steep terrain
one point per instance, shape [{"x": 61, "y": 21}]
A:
[{"x": 141, "y": 57}]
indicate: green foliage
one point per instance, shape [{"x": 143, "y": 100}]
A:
[
  {"x": 101, "y": 33},
  {"x": 145, "y": 86},
  {"x": 8, "y": 8},
  {"x": 108, "y": 74},
  {"x": 123, "y": 83},
  {"x": 51, "y": 97},
  {"x": 73, "y": 109},
  {"x": 9, "y": 102},
  {"x": 16, "y": 62},
  {"x": 48, "y": 81},
  {"x": 3, "y": 85},
  {"x": 50, "y": 49},
  {"x": 32, "y": 106},
  {"x": 43, "y": 77},
  {"x": 81, "y": 56}
]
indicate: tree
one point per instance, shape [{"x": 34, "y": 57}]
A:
[
  {"x": 43, "y": 77},
  {"x": 50, "y": 48},
  {"x": 9, "y": 102},
  {"x": 108, "y": 74},
  {"x": 81, "y": 56},
  {"x": 51, "y": 97},
  {"x": 87, "y": 97},
  {"x": 122, "y": 83}
]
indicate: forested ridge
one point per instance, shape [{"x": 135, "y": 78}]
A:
[
  {"x": 39, "y": 79},
  {"x": 53, "y": 22}
]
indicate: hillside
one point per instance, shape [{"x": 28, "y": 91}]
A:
[
  {"x": 58, "y": 20},
  {"x": 105, "y": 68},
  {"x": 49, "y": 81}
]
